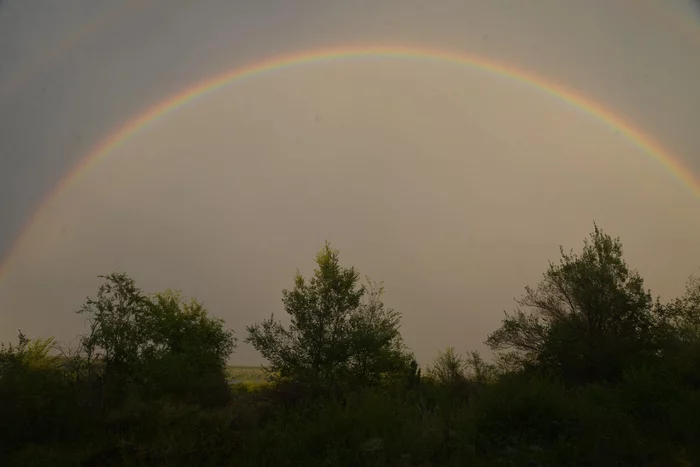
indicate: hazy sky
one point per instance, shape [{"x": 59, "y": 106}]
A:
[{"x": 452, "y": 185}]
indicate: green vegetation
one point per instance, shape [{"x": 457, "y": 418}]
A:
[
  {"x": 246, "y": 373},
  {"x": 588, "y": 370},
  {"x": 340, "y": 332}
]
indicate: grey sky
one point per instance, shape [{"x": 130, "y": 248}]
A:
[{"x": 453, "y": 186}]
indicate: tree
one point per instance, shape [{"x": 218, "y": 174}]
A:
[
  {"x": 118, "y": 322},
  {"x": 449, "y": 367},
  {"x": 588, "y": 319},
  {"x": 375, "y": 343},
  {"x": 187, "y": 350},
  {"x": 163, "y": 344},
  {"x": 683, "y": 314},
  {"x": 681, "y": 337},
  {"x": 478, "y": 370},
  {"x": 339, "y": 330}
]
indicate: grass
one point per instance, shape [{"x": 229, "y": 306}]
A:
[{"x": 246, "y": 374}]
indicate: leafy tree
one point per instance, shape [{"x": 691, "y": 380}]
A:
[
  {"x": 449, "y": 367},
  {"x": 375, "y": 343},
  {"x": 478, "y": 370},
  {"x": 163, "y": 344},
  {"x": 681, "y": 337},
  {"x": 117, "y": 320},
  {"x": 187, "y": 350},
  {"x": 683, "y": 314},
  {"x": 183, "y": 327},
  {"x": 339, "y": 331},
  {"x": 588, "y": 319}
]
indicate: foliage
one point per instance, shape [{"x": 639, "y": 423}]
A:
[
  {"x": 587, "y": 320},
  {"x": 186, "y": 351},
  {"x": 376, "y": 348},
  {"x": 683, "y": 313},
  {"x": 589, "y": 371},
  {"x": 32, "y": 385},
  {"x": 163, "y": 345},
  {"x": 340, "y": 331},
  {"x": 449, "y": 367},
  {"x": 118, "y": 330},
  {"x": 478, "y": 370},
  {"x": 30, "y": 353},
  {"x": 246, "y": 373}
]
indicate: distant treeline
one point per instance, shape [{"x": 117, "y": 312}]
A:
[{"x": 590, "y": 369}]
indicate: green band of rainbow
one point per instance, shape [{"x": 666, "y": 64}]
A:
[{"x": 134, "y": 126}]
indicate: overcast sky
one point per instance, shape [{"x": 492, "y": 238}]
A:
[{"x": 452, "y": 185}]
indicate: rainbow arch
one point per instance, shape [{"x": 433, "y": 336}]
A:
[{"x": 132, "y": 127}]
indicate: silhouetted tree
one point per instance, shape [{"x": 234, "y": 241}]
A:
[
  {"x": 375, "y": 343},
  {"x": 681, "y": 337},
  {"x": 162, "y": 344},
  {"x": 683, "y": 313},
  {"x": 117, "y": 320},
  {"x": 187, "y": 350},
  {"x": 449, "y": 367},
  {"x": 339, "y": 331},
  {"x": 588, "y": 319}
]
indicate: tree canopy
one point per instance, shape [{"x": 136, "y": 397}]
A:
[
  {"x": 161, "y": 343},
  {"x": 339, "y": 330},
  {"x": 588, "y": 318}
]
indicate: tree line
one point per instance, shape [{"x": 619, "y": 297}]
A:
[{"x": 589, "y": 369}]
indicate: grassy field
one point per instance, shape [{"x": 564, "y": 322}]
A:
[{"x": 242, "y": 374}]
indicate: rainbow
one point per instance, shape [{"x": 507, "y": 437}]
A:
[{"x": 136, "y": 125}]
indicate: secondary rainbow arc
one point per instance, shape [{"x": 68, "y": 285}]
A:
[{"x": 136, "y": 125}]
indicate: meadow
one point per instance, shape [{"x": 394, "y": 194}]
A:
[{"x": 250, "y": 374}]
